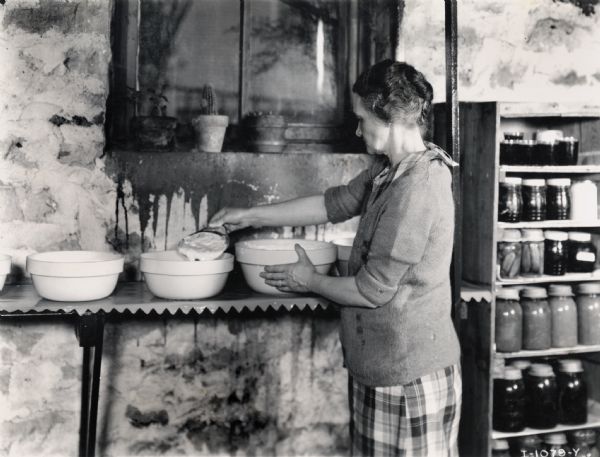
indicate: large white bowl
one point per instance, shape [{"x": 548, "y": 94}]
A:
[
  {"x": 5, "y": 263},
  {"x": 254, "y": 255},
  {"x": 74, "y": 275},
  {"x": 170, "y": 275},
  {"x": 344, "y": 248}
]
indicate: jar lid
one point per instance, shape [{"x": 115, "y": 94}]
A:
[
  {"x": 529, "y": 440},
  {"x": 511, "y": 180},
  {"x": 555, "y": 235},
  {"x": 555, "y": 438},
  {"x": 525, "y": 142},
  {"x": 533, "y": 292},
  {"x": 500, "y": 445},
  {"x": 512, "y": 373},
  {"x": 541, "y": 369},
  {"x": 560, "y": 290},
  {"x": 570, "y": 366},
  {"x": 561, "y": 182},
  {"x": 569, "y": 139},
  {"x": 587, "y": 436},
  {"x": 548, "y": 135},
  {"x": 521, "y": 364},
  {"x": 532, "y": 235},
  {"x": 511, "y": 141},
  {"x": 507, "y": 293},
  {"x": 534, "y": 182},
  {"x": 588, "y": 288},
  {"x": 583, "y": 237},
  {"x": 510, "y": 235}
]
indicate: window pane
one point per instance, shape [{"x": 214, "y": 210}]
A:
[{"x": 293, "y": 53}]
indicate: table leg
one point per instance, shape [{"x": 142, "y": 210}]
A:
[{"x": 90, "y": 331}]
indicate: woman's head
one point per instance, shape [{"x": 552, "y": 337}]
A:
[{"x": 395, "y": 92}]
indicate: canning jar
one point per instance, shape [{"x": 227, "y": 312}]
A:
[
  {"x": 544, "y": 153},
  {"x": 509, "y": 321},
  {"x": 524, "y": 150},
  {"x": 509, "y": 401},
  {"x": 508, "y": 152},
  {"x": 528, "y": 445},
  {"x": 581, "y": 253},
  {"x": 585, "y": 441},
  {"x": 509, "y": 253},
  {"x": 572, "y": 393},
  {"x": 558, "y": 200},
  {"x": 533, "y": 192},
  {"x": 537, "y": 319},
  {"x": 555, "y": 444},
  {"x": 555, "y": 252},
  {"x": 541, "y": 393},
  {"x": 500, "y": 448},
  {"x": 564, "y": 315},
  {"x": 567, "y": 151},
  {"x": 588, "y": 313},
  {"x": 510, "y": 202},
  {"x": 521, "y": 364},
  {"x": 532, "y": 252},
  {"x": 584, "y": 201}
]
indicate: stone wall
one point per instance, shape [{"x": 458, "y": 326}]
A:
[{"x": 510, "y": 50}]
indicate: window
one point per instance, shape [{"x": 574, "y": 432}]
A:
[{"x": 290, "y": 57}]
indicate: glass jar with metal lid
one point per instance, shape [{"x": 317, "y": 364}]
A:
[
  {"x": 524, "y": 152},
  {"x": 588, "y": 313},
  {"x": 537, "y": 319},
  {"x": 508, "y": 256},
  {"x": 556, "y": 444},
  {"x": 567, "y": 151},
  {"x": 532, "y": 252},
  {"x": 509, "y": 401},
  {"x": 533, "y": 192},
  {"x": 581, "y": 253},
  {"x": 572, "y": 393},
  {"x": 509, "y": 321},
  {"x": 541, "y": 397},
  {"x": 555, "y": 252},
  {"x": 500, "y": 448},
  {"x": 558, "y": 200},
  {"x": 545, "y": 152},
  {"x": 510, "y": 203},
  {"x": 564, "y": 315}
]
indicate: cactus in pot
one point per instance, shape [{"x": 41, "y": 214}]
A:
[{"x": 209, "y": 127}]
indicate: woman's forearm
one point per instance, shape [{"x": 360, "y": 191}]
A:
[
  {"x": 342, "y": 291},
  {"x": 296, "y": 212}
]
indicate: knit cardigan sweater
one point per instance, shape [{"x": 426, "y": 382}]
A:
[{"x": 401, "y": 263}]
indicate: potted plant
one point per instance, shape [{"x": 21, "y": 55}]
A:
[
  {"x": 155, "y": 130},
  {"x": 209, "y": 126},
  {"x": 265, "y": 131}
]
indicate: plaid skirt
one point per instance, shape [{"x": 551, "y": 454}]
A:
[{"x": 416, "y": 419}]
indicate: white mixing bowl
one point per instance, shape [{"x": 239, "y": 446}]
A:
[
  {"x": 344, "y": 248},
  {"x": 5, "y": 263},
  {"x": 254, "y": 255},
  {"x": 170, "y": 275},
  {"x": 74, "y": 275}
]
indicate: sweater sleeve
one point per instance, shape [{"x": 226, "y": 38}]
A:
[
  {"x": 399, "y": 240},
  {"x": 344, "y": 202}
]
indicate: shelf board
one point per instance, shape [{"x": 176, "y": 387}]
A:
[
  {"x": 579, "y": 349},
  {"x": 550, "y": 224},
  {"x": 547, "y": 109},
  {"x": 593, "y": 422},
  {"x": 550, "y": 169},
  {"x": 569, "y": 277}
]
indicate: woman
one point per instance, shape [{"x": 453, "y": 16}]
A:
[{"x": 398, "y": 339}]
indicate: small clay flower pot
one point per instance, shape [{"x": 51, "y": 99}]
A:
[
  {"x": 210, "y": 131},
  {"x": 154, "y": 132},
  {"x": 265, "y": 132}
]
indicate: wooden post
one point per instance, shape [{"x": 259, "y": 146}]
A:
[{"x": 453, "y": 146}]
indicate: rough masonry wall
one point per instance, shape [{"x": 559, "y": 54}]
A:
[{"x": 510, "y": 50}]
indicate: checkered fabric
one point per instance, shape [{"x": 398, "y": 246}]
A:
[{"x": 416, "y": 419}]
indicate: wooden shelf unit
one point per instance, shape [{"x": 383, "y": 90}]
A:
[{"x": 481, "y": 130}]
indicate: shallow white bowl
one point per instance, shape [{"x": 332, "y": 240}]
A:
[
  {"x": 254, "y": 255},
  {"x": 170, "y": 275},
  {"x": 74, "y": 275},
  {"x": 5, "y": 264},
  {"x": 344, "y": 248}
]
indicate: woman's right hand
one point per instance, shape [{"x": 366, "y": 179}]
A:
[{"x": 232, "y": 218}]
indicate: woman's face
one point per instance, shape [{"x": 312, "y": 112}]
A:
[{"x": 374, "y": 132}]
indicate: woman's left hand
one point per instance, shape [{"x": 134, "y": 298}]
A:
[{"x": 291, "y": 277}]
